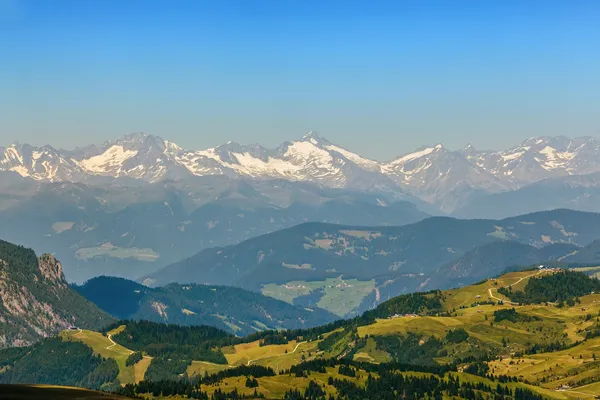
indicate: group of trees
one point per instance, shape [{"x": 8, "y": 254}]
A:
[
  {"x": 391, "y": 385},
  {"x": 164, "y": 385},
  {"x": 510, "y": 314},
  {"x": 134, "y": 358},
  {"x": 164, "y": 368},
  {"x": 410, "y": 348},
  {"x": 274, "y": 338},
  {"x": 560, "y": 287},
  {"x": 457, "y": 335}
]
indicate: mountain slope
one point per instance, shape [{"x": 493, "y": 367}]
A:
[
  {"x": 231, "y": 309},
  {"x": 432, "y": 171},
  {"x": 35, "y": 299},
  {"x": 385, "y": 261}
]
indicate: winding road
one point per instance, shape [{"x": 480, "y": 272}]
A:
[
  {"x": 276, "y": 355},
  {"x": 516, "y": 283},
  {"x": 109, "y": 336}
]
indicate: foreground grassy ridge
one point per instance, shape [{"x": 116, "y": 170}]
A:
[{"x": 25, "y": 392}]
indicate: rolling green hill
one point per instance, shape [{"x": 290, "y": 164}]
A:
[
  {"x": 35, "y": 299},
  {"x": 348, "y": 269},
  {"x": 231, "y": 309},
  {"x": 478, "y": 342}
]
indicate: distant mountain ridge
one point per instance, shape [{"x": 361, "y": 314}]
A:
[
  {"x": 577, "y": 192},
  {"x": 388, "y": 261},
  {"x": 133, "y": 228},
  {"x": 233, "y": 310},
  {"x": 435, "y": 174}
]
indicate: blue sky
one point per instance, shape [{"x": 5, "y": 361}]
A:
[{"x": 379, "y": 77}]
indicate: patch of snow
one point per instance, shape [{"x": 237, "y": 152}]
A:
[
  {"x": 50, "y": 172},
  {"x": 21, "y": 170},
  {"x": 172, "y": 146},
  {"x": 14, "y": 154},
  {"x": 513, "y": 156},
  {"x": 555, "y": 159},
  {"x": 355, "y": 158},
  {"x": 112, "y": 158},
  {"x": 413, "y": 156},
  {"x": 254, "y": 166}
]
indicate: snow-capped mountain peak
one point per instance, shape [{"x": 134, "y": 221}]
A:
[{"x": 433, "y": 173}]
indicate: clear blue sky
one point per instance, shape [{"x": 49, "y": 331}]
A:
[{"x": 379, "y": 77}]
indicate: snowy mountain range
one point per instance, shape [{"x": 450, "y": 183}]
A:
[{"x": 434, "y": 174}]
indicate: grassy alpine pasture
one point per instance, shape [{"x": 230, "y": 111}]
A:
[
  {"x": 278, "y": 357},
  {"x": 104, "y": 346},
  {"x": 200, "y": 368},
  {"x": 573, "y": 366}
]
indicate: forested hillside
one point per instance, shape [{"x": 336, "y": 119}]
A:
[
  {"x": 348, "y": 269},
  {"x": 54, "y": 361},
  {"x": 231, "y": 309}
]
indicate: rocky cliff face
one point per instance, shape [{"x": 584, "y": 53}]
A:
[
  {"x": 35, "y": 299},
  {"x": 51, "y": 269}
]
